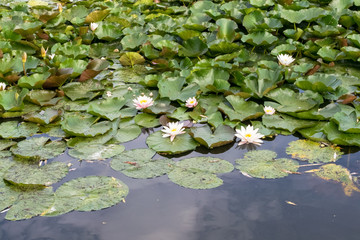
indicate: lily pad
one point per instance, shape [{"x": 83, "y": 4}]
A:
[
  {"x": 338, "y": 174},
  {"x": 199, "y": 172},
  {"x": 96, "y": 151},
  {"x": 221, "y": 136},
  {"x": 263, "y": 164},
  {"x": 285, "y": 122},
  {"x": 84, "y": 125},
  {"x": 40, "y": 148},
  {"x": 87, "y": 194},
  {"x": 127, "y": 133},
  {"x": 43, "y": 117},
  {"x": 181, "y": 143},
  {"x": 108, "y": 108},
  {"x": 15, "y": 129},
  {"x": 83, "y": 90},
  {"x": 6, "y": 143},
  {"x": 313, "y": 152},
  {"x": 26, "y": 175},
  {"x": 138, "y": 163}
]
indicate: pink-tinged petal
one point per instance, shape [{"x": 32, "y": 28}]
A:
[{"x": 172, "y": 138}]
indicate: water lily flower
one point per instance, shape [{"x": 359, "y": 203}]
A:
[
  {"x": 249, "y": 135},
  {"x": 51, "y": 56},
  {"x": 43, "y": 52},
  {"x": 24, "y": 57},
  {"x": 108, "y": 93},
  {"x": 269, "y": 110},
  {"x": 285, "y": 59},
  {"x": 143, "y": 102},
  {"x": 173, "y": 129},
  {"x": 60, "y": 7},
  {"x": 2, "y": 86},
  {"x": 191, "y": 102},
  {"x": 93, "y": 26}
]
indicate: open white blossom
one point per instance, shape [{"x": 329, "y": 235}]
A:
[
  {"x": 285, "y": 59},
  {"x": 269, "y": 110},
  {"x": 93, "y": 26},
  {"x": 191, "y": 102},
  {"x": 51, "y": 56},
  {"x": 108, "y": 94},
  {"x": 143, "y": 102},
  {"x": 249, "y": 135},
  {"x": 2, "y": 86},
  {"x": 173, "y": 129}
]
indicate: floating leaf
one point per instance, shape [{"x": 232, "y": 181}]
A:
[
  {"x": 221, "y": 136},
  {"x": 285, "y": 122},
  {"x": 43, "y": 117},
  {"x": 263, "y": 164},
  {"x": 34, "y": 81},
  {"x": 199, "y": 172},
  {"x": 131, "y": 58},
  {"x": 77, "y": 90},
  {"x": 83, "y": 125},
  {"x": 26, "y": 175},
  {"x": 107, "y": 108},
  {"x": 96, "y": 151},
  {"x": 338, "y": 174},
  {"x": 12, "y": 100},
  {"x": 146, "y": 120},
  {"x": 127, "y": 133},
  {"x": 43, "y": 97},
  {"x": 15, "y": 129},
  {"x": 87, "y": 194},
  {"x": 181, "y": 143},
  {"x": 138, "y": 163},
  {"x": 313, "y": 152},
  {"x": 6, "y": 143},
  {"x": 40, "y": 148}
]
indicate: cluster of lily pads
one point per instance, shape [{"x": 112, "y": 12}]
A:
[{"x": 90, "y": 75}]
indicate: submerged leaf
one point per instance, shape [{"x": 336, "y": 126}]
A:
[{"x": 313, "y": 152}]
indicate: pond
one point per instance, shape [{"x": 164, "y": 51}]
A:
[
  {"x": 179, "y": 119},
  {"x": 242, "y": 208}
]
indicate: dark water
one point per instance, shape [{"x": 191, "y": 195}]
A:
[{"x": 243, "y": 208}]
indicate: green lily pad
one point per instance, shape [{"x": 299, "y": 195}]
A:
[
  {"x": 285, "y": 122},
  {"x": 313, "y": 152},
  {"x": 347, "y": 121},
  {"x": 26, "y": 204},
  {"x": 38, "y": 148},
  {"x": 146, "y": 120},
  {"x": 83, "y": 125},
  {"x": 221, "y": 136},
  {"x": 127, "y": 133},
  {"x": 338, "y": 137},
  {"x": 319, "y": 83},
  {"x": 108, "y": 108},
  {"x": 131, "y": 59},
  {"x": 241, "y": 109},
  {"x": 338, "y": 174},
  {"x": 96, "y": 151},
  {"x": 88, "y": 194},
  {"x": 83, "y": 90},
  {"x": 259, "y": 38},
  {"x": 12, "y": 100},
  {"x": 298, "y": 16},
  {"x": 43, "y": 97},
  {"x": 6, "y": 143},
  {"x": 26, "y": 175},
  {"x": 199, "y": 172},
  {"x": 181, "y": 143},
  {"x": 291, "y": 101},
  {"x": 138, "y": 163},
  {"x": 34, "y": 81},
  {"x": 15, "y": 129},
  {"x": 43, "y": 117},
  {"x": 263, "y": 164}
]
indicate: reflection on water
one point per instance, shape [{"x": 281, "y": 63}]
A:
[{"x": 243, "y": 208}]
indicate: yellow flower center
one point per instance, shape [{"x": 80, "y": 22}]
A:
[
  {"x": 248, "y": 135},
  {"x": 268, "y": 110},
  {"x": 143, "y": 101},
  {"x": 173, "y": 130},
  {"x": 191, "y": 102}
]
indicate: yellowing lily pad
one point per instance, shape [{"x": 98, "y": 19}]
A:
[
  {"x": 338, "y": 174},
  {"x": 263, "y": 164},
  {"x": 313, "y": 152},
  {"x": 138, "y": 163}
]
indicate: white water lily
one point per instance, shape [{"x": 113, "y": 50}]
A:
[
  {"x": 51, "y": 56},
  {"x": 108, "y": 93},
  {"x": 173, "y": 129},
  {"x": 269, "y": 110},
  {"x": 93, "y": 26},
  {"x": 191, "y": 102},
  {"x": 2, "y": 86},
  {"x": 285, "y": 59},
  {"x": 143, "y": 102},
  {"x": 249, "y": 135}
]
